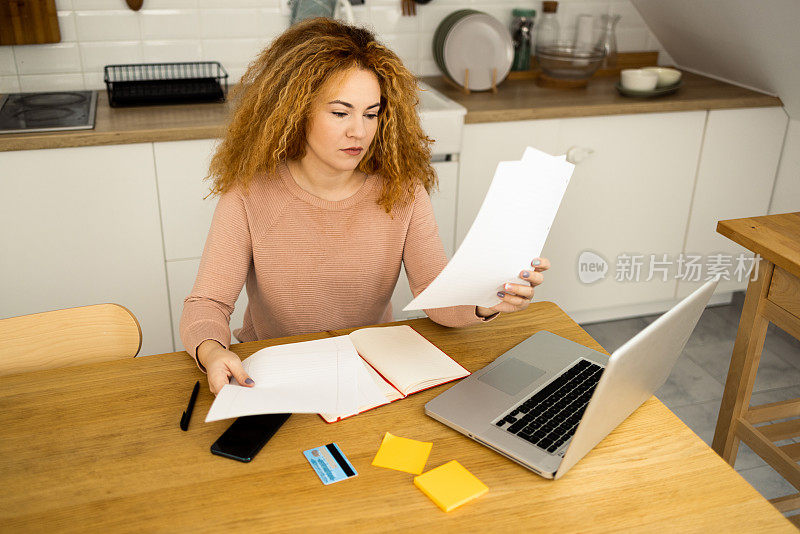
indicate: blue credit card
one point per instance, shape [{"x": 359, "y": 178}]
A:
[{"x": 330, "y": 463}]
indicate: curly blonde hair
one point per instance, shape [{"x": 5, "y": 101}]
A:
[{"x": 275, "y": 99}]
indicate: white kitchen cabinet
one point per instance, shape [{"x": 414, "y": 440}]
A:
[
  {"x": 735, "y": 179},
  {"x": 631, "y": 195},
  {"x": 81, "y": 226},
  {"x": 185, "y": 213},
  {"x": 181, "y": 275},
  {"x": 443, "y": 201},
  {"x": 486, "y": 144}
]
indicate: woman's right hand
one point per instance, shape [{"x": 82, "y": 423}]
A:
[{"x": 221, "y": 364}]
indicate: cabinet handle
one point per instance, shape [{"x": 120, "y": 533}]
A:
[{"x": 576, "y": 154}]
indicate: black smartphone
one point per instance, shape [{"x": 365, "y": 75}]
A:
[{"x": 245, "y": 437}]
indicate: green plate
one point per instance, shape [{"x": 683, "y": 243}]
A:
[
  {"x": 440, "y": 35},
  {"x": 659, "y": 91}
]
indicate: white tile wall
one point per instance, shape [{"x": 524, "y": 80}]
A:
[
  {"x": 50, "y": 82},
  {"x": 47, "y": 59},
  {"x": 96, "y": 55},
  {"x": 9, "y": 84},
  {"x": 7, "y": 66},
  {"x": 223, "y": 23},
  {"x": 66, "y": 25},
  {"x": 166, "y": 51},
  {"x": 169, "y": 23},
  {"x": 96, "y": 33},
  {"x": 107, "y": 25}
]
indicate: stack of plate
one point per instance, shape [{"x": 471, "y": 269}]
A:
[{"x": 470, "y": 39}]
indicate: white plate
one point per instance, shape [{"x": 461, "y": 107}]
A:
[{"x": 478, "y": 42}]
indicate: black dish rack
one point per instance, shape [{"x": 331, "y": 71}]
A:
[{"x": 165, "y": 83}]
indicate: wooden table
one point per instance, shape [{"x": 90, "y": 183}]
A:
[
  {"x": 98, "y": 448},
  {"x": 773, "y": 295}
]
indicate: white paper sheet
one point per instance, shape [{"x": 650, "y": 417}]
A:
[
  {"x": 509, "y": 231},
  {"x": 317, "y": 376}
]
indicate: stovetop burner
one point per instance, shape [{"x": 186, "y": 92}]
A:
[
  {"x": 51, "y": 99},
  {"x": 43, "y": 115},
  {"x": 45, "y": 112}
]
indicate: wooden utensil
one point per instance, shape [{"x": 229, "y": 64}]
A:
[{"x": 28, "y": 22}]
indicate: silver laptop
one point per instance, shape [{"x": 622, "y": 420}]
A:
[{"x": 548, "y": 401}]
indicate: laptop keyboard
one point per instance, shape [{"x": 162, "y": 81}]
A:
[{"x": 549, "y": 417}]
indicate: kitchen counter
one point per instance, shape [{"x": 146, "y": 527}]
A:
[
  {"x": 516, "y": 99},
  {"x": 118, "y": 126},
  {"x": 522, "y": 99}
]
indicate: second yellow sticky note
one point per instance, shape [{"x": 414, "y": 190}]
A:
[{"x": 402, "y": 454}]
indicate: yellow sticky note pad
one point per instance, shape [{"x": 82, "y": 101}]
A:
[
  {"x": 450, "y": 485},
  {"x": 402, "y": 454}
]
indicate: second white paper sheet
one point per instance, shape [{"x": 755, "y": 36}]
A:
[
  {"x": 318, "y": 376},
  {"x": 509, "y": 231}
]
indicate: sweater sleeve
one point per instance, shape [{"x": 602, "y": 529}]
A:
[
  {"x": 424, "y": 258},
  {"x": 224, "y": 266}
]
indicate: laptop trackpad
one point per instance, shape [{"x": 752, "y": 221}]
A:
[{"x": 512, "y": 376}]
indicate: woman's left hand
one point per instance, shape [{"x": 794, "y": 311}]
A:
[{"x": 517, "y": 297}]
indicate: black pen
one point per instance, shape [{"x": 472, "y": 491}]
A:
[{"x": 188, "y": 413}]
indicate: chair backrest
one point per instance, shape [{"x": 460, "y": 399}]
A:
[{"x": 72, "y": 336}]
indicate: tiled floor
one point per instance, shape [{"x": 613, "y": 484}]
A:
[{"x": 694, "y": 389}]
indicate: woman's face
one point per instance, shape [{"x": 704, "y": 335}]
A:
[{"x": 344, "y": 117}]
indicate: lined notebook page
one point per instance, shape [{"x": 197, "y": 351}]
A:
[
  {"x": 407, "y": 360},
  {"x": 307, "y": 377}
]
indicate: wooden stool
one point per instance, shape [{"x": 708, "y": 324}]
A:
[{"x": 773, "y": 295}]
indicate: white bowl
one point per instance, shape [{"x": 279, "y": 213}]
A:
[
  {"x": 666, "y": 76},
  {"x": 638, "y": 79}
]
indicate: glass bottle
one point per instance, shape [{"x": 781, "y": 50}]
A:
[
  {"x": 521, "y": 31},
  {"x": 547, "y": 34},
  {"x": 608, "y": 39}
]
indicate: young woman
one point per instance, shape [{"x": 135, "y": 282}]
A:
[{"x": 323, "y": 179}]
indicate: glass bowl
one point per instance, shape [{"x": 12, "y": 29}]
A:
[{"x": 564, "y": 61}]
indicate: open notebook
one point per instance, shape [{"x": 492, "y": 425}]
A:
[
  {"x": 395, "y": 362},
  {"x": 338, "y": 376}
]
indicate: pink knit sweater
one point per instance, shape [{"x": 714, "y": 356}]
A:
[{"x": 311, "y": 264}]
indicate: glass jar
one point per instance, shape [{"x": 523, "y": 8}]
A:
[
  {"x": 608, "y": 40},
  {"x": 548, "y": 31}
]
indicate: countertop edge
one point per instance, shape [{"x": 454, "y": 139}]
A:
[
  {"x": 90, "y": 138},
  {"x": 633, "y": 108}
]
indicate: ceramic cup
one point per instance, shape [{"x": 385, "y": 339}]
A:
[
  {"x": 666, "y": 76},
  {"x": 638, "y": 79}
]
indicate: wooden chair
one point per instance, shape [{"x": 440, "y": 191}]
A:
[{"x": 72, "y": 336}]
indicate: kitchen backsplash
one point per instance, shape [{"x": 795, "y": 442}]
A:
[{"x": 95, "y": 33}]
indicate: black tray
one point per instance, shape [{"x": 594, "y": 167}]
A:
[{"x": 165, "y": 83}]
